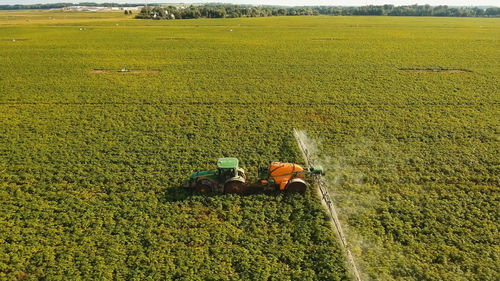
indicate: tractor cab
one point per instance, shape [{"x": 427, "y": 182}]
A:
[
  {"x": 230, "y": 176},
  {"x": 229, "y": 168}
]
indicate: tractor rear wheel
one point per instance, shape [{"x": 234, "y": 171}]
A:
[
  {"x": 296, "y": 186},
  {"x": 234, "y": 187},
  {"x": 203, "y": 186}
]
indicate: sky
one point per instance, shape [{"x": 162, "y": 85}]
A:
[{"x": 283, "y": 2}]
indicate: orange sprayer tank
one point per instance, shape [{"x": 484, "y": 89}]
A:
[{"x": 283, "y": 172}]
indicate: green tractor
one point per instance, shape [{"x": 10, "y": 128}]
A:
[{"x": 227, "y": 178}]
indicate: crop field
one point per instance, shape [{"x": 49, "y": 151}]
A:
[{"x": 405, "y": 113}]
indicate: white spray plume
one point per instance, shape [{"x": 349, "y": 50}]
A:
[
  {"x": 350, "y": 171},
  {"x": 310, "y": 151}
]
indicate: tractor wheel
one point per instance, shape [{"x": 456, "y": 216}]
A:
[
  {"x": 296, "y": 186},
  {"x": 203, "y": 186},
  {"x": 234, "y": 187}
]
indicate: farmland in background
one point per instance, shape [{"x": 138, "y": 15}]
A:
[{"x": 91, "y": 159}]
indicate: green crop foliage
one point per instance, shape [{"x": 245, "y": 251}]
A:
[{"x": 91, "y": 159}]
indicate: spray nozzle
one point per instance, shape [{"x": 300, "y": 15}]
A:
[{"x": 317, "y": 170}]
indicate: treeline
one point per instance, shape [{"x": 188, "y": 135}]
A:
[
  {"x": 35, "y": 6},
  {"x": 412, "y": 10},
  {"x": 236, "y": 11},
  {"x": 63, "y": 5},
  {"x": 222, "y": 11}
]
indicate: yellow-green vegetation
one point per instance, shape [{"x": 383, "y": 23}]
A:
[{"x": 91, "y": 158}]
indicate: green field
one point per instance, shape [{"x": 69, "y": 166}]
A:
[{"x": 91, "y": 160}]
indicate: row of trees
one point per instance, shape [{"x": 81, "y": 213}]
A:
[
  {"x": 413, "y": 10},
  {"x": 62, "y": 5},
  {"x": 236, "y": 11},
  {"x": 220, "y": 11}
]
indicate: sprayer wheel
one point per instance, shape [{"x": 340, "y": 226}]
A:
[
  {"x": 234, "y": 187},
  {"x": 296, "y": 186}
]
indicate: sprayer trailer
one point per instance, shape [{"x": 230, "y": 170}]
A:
[{"x": 229, "y": 177}]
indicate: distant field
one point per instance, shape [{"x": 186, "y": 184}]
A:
[{"x": 91, "y": 159}]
